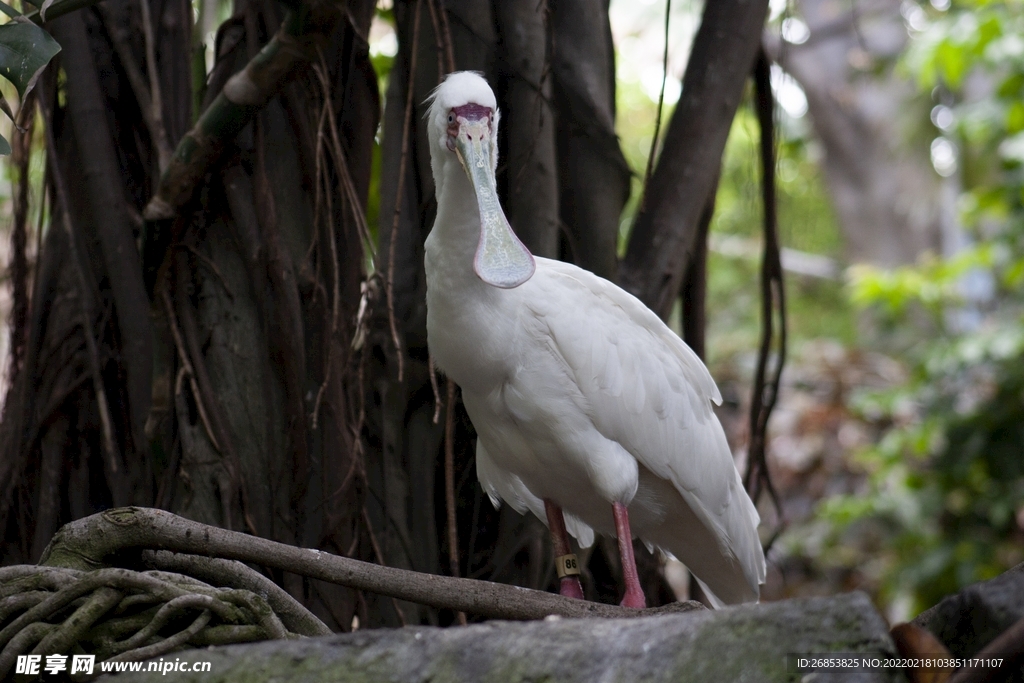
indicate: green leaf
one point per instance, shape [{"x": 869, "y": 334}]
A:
[
  {"x": 5, "y": 147},
  {"x": 989, "y": 29},
  {"x": 8, "y": 10},
  {"x": 1011, "y": 86},
  {"x": 25, "y": 50},
  {"x": 951, "y": 63}
]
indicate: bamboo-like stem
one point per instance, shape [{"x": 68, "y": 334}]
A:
[
  {"x": 449, "y": 486},
  {"x": 155, "y": 103},
  {"x": 400, "y": 189}
]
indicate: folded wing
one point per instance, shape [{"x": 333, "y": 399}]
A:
[{"x": 647, "y": 390}]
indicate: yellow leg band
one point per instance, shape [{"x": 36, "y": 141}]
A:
[{"x": 567, "y": 565}]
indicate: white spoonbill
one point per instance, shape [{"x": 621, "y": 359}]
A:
[{"x": 584, "y": 402}]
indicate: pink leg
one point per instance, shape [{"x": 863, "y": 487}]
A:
[
  {"x": 634, "y": 596},
  {"x": 570, "y": 585}
]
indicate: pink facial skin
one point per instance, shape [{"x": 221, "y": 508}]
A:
[{"x": 469, "y": 112}]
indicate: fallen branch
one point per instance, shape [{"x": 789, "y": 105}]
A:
[{"x": 87, "y": 542}]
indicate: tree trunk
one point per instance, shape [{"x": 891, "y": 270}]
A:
[
  {"x": 528, "y": 142},
  {"x": 890, "y": 201},
  {"x": 664, "y": 234},
  {"x": 594, "y": 177}
]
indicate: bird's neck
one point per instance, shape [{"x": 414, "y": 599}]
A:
[
  {"x": 451, "y": 245},
  {"x": 466, "y": 328}
]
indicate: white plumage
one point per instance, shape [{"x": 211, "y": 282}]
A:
[{"x": 579, "y": 393}]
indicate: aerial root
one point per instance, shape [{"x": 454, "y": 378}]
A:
[{"x": 121, "y": 614}]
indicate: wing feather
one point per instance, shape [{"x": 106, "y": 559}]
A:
[
  {"x": 648, "y": 391},
  {"x": 501, "y": 485}
]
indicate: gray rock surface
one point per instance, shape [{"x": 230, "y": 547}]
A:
[{"x": 736, "y": 644}]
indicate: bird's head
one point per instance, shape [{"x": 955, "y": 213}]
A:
[{"x": 463, "y": 123}]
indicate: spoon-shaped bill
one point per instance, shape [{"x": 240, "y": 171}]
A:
[{"x": 501, "y": 259}]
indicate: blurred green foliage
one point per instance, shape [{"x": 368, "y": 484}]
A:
[
  {"x": 815, "y": 307},
  {"x": 945, "y": 480},
  {"x": 934, "y": 284},
  {"x": 944, "y": 502}
]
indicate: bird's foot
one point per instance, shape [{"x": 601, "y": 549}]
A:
[
  {"x": 570, "y": 587},
  {"x": 634, "y": 599}
]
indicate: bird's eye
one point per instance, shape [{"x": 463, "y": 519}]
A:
[{"x": 451, "y": 118}]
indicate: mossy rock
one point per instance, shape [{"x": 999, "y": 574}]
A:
[{"x": 748, "y": 643}]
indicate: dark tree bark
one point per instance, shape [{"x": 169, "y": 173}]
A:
[
  {"x": 106, "y": 160},
  {"x": 258, "y": 319},
  {"x": 593, "y": 175},
  {"x": 694, "y": 293},
  {"x": 102, "y": 175},
  {"x": 528, "y": 143}
]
